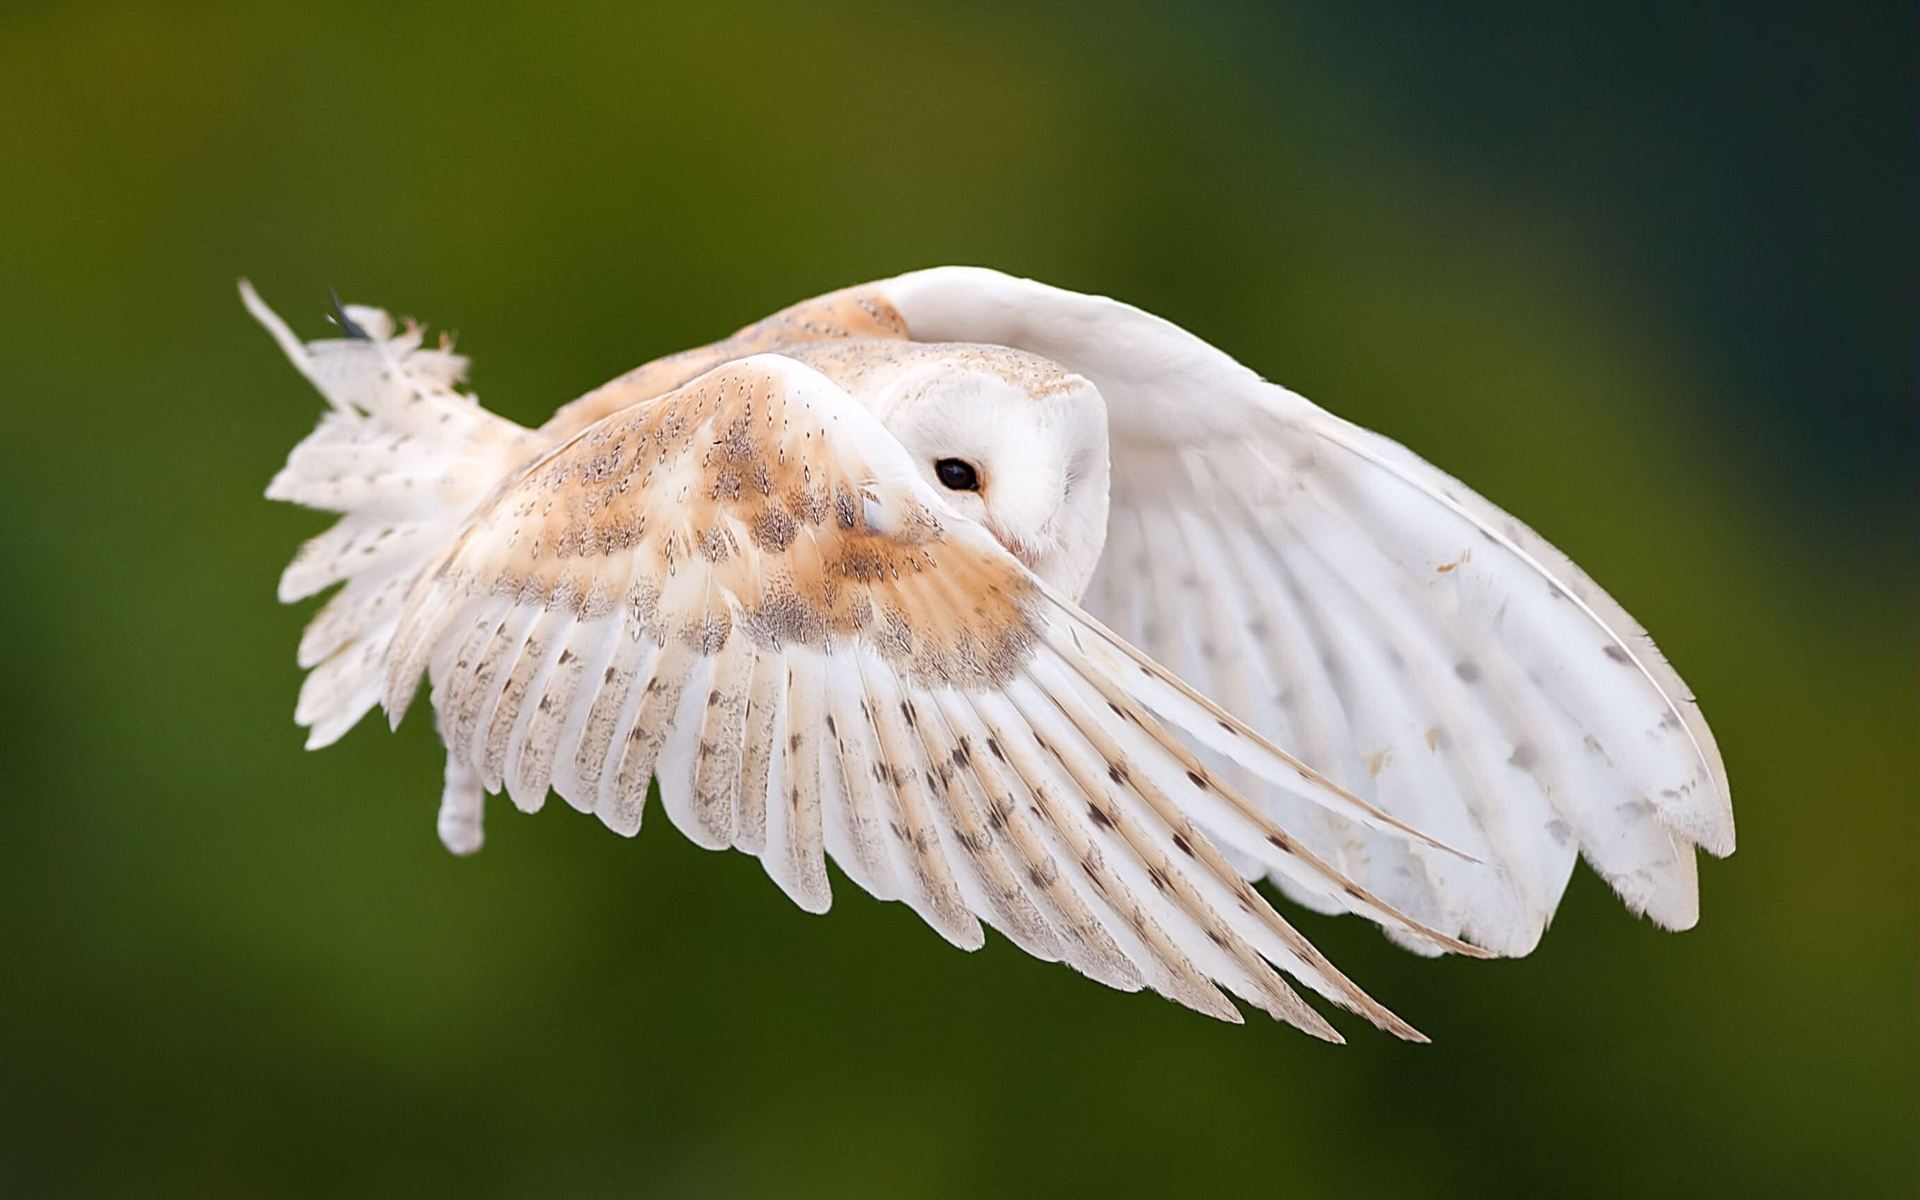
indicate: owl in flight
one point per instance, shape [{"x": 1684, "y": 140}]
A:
[{"x": 1028, "y": 608}]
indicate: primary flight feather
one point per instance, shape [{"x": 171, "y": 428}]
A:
[{"x": 1024, "y": 607}]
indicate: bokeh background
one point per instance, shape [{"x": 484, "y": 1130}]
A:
[{"x": 1644, "y": 273}]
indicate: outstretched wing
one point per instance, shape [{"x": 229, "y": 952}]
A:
[
  {"x": 743, "y": 589},
  {"x": 1374, "y": 615}
]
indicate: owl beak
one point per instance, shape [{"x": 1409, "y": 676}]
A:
[{"x": 1014, "y": 546}]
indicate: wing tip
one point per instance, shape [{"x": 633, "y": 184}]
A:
[
  {"x": 271, "y": 321},
  {"x": 815, "y": 902},
  {"x": 1719, "y": 839},
  {"x": 1406, "y": 1032},
  {"x": 623, "y": 819}
]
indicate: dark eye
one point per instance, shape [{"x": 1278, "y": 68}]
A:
[{"x": 958, "y": 474}]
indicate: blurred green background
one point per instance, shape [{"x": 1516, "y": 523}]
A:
[{"x": 1643, "y": 273}]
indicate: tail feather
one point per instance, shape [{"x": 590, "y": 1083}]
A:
[{"x": 404, "y": 456}]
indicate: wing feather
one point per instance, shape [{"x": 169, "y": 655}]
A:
[
  {"x": 756, "y": 754},
  {"x": 640, "y": 737},
  {"x": 799, "y": 803},
  {"x": 856, "y": 826},
  {"x": 337, "y": 693},
  {"x": 714, "y": 787}
]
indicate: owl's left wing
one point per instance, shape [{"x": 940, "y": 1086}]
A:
[
  {"x": 743, "y": 589},
  {"x": 1362, "y": 608}
]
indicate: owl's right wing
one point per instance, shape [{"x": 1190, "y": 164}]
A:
[{"x": 744, "y": 589}]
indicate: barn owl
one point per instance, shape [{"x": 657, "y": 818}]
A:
[{"x": 1026, "y": 607}]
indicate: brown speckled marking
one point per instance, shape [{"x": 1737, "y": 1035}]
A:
[
  {"x": 1378, "y": 760},
  {"x": 722, "y": 509}
]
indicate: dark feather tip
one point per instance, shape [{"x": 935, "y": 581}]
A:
[{"x": 346, "y": 323}]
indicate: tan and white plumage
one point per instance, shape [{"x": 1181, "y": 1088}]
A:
[{"x": 737, "y": 572}]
